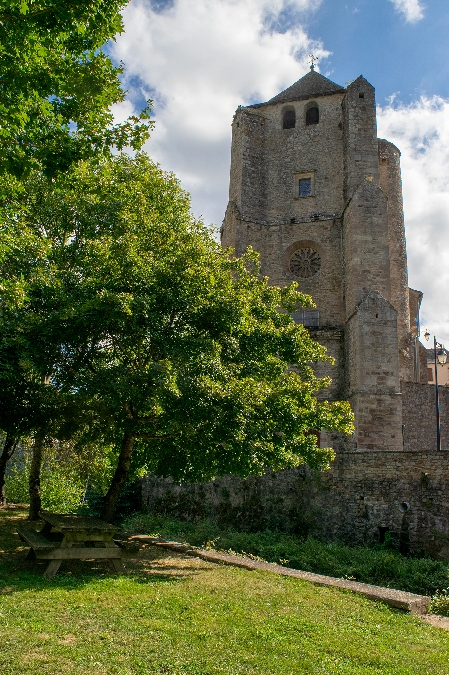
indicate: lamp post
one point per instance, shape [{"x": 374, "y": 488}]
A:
[{"x": 440, "y": 357}]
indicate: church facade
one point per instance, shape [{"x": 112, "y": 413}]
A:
[{"x": 319, "y": 196}]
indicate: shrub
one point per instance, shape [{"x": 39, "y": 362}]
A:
[
  {"x": 61, "y": 487},
  {"x": 65, "y": 476},
  {"x": 440, "y": 603}
]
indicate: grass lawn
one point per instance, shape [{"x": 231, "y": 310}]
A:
[{"x": 173, "y": 614}]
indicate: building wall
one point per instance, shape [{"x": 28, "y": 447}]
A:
[
  {"x": 419, "y": 416},
  {"x": 265, "y": 162},
  {"x": 353, "y": 220},
  {"x": 391, "y": 184},
  {"x": 265, "y": 158},
  {"x": 373, "y": 367},
  {"x": 443, "y": 373},
  {"x": 363, "y": 495},
  {"x": 388, "y": 476},
  {"x": 366, "y": 245},
  {"x": 360, "y": 136}
]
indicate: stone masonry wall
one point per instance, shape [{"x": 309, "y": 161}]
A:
[
  {"x": 387, "y": 476},
  {"x": 391, "y": 184},
  {"x": 360, "y": 136},
  {"x": 363, "y": 495},
  {"x": 419, "y": 416},
  {"x": 366, "y": 245},
  {"x": 373, "y": 367},
  {"x": 277, "y": 243}
]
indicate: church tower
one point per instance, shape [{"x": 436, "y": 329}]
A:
[{"x": 319, "y": 196}]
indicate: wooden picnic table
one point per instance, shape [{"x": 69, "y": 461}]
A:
[{"x": 71, "y": 537}]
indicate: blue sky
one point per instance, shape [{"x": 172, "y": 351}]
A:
[
  {"x": 398, "y": 56},
  {"x": 199, "y": 59}
]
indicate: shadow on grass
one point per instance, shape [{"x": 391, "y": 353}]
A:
[{"x": 30, "y": 575}]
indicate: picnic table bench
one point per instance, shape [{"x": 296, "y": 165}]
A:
[{"x": 71, "y": 537}]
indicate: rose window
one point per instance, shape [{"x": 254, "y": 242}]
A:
[{"x": 305, "y": 262}]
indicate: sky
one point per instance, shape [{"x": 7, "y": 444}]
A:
[{"x": 199, "y": 59}]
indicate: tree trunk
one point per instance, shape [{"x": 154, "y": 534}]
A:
[
  {"x": 8, "y": 451},
  {"x": 35, "y": 476},
  {"x": 120, "y": 477}
]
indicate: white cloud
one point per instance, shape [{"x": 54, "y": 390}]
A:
[
  {"x": 412, "y": 9},
  {"x": 421, "y": 132},
  {"x": 200, "y": 59}
]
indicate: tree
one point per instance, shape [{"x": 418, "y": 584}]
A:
[
  {"x": 31, "y": 407},
  {"x": 24, "y": 397},
  {"x": 186, "y": 349},
  {"x": 56, "y": 91},
  {"x": 9, "y": 448},
  {"x": 19, "y": 403},
  {"x": 57, "y": 85}
]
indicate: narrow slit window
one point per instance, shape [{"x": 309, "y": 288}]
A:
[
  {"x": 289, "y": 119},
  {"x": 305, "y": 187},
  {"x": 383, "y": 534},
  {"x": 312, "y": 116}
]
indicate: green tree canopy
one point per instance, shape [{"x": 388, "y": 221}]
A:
[
  {"x": 192, "y": 357},
  {"x": 57, "y": 85}
]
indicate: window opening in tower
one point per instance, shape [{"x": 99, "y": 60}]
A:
[
  {"x": 312, "y": 116},
  {"x": 289, "y": 119},
  {"x": 305, "y": 187}
]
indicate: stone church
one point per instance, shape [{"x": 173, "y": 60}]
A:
[{"x": 319, "y": 196}]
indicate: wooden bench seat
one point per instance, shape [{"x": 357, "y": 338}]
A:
[{"x": 34, "y": 539}]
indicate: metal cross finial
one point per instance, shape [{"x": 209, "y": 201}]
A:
[{"x": 312, "y": 61}]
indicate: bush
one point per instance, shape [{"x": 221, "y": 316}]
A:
[
  {"x": 440, "y": 603},
  {"x": 381, "y": 567},
  {"x": 61, "y": 487},
  {"x": 65, "y": 476}
]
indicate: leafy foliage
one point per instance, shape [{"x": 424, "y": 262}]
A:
[
  {"x": 133, "y": 309},
  {"x": 66, "y": 473},
  {"x": 440, "y": 602},
  {"x": 57, "y": 85}
]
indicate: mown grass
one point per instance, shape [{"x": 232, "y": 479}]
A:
[
  {"x": 381, "y": 567},
  {"x": 176, "y": 615}
]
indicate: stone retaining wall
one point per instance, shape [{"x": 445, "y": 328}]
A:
[{"x": 367, "y": 496}]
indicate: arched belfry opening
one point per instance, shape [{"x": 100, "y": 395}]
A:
[
  {"x": 289, "y": 119},
  {"x": 312, "y": 114}
]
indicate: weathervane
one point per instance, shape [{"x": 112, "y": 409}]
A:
[{"x": 312, "y": 61}]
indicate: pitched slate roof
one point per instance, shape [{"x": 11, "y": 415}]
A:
[{"x": 311, "y": 85}]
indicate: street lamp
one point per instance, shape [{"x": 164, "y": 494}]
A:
[
  {"x": 439, "y": 357},
  {"x": 442, "y": 357}
]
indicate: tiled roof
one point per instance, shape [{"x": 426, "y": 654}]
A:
[{"x": 311, "y": 85}]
